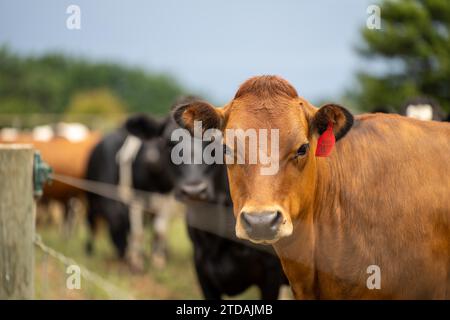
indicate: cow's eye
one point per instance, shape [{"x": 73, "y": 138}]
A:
[{"x": 302, "y": 150}]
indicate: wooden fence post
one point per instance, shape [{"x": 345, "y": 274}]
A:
[{"x": 17, "y": 214}]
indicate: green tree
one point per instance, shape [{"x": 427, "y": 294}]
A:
[
  {"x": 45, "y": 84},
  {"x": 96, "y": 102},
  {"x": 414, "y": 45}
]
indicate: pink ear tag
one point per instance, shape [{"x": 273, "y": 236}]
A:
[{"x": 326, "y": 142}]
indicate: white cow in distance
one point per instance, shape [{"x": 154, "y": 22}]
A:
[{"x": 74, "y": 132}]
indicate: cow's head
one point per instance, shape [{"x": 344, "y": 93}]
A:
[
  {"x": 149, "y": 130},
  {"x": 195, "y": 181},
  {"x": 191, "y": 181},
  {"x": 266, "y": 205},
  {"x": 423, "y": 108}
]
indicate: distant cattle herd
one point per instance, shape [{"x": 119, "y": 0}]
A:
[{"x": 380, "y": 198}]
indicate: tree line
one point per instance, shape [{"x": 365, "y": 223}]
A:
[{"x": 57, "y": 83}]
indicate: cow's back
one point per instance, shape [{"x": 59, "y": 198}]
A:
[{"x": 390, "y": 208}]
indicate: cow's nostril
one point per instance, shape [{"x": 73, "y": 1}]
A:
[
  {"x": 277, "y": 219},
  {"x": 245, "y": 220}
]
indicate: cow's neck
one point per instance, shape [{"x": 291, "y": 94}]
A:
[
  {"x": 297, "y": 257},
  {"x": 299, "y": 252}
]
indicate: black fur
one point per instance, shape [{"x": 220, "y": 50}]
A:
[
  {"x": 321, "y": 120},
  {"x": 177, "y": 114},
  {"x": 103, "y": 167},
  {"x": 144, "y": 126}
]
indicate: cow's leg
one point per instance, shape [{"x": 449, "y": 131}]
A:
[
  {"x": 91, "y": 217},
  {"x": 135, "y": 251},
  {"x": 159, "y": 241},
  {"x": 119, "y": 236},
  {"x": 119, "y": 228},
  {"x": 165, "y": 206},
  {"x": 69, "y": 217},
  {"x": 43, "y": 216}
]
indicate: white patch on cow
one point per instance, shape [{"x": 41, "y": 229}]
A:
[
  {"x": 152, "y": 155},
  {"x": 420, "y": 111},
  {"x": 9, "y": 134},
  {"x": 43, "y": 133},
  {"x": 74, "y": 132},
  {"x": 124, "y": 158}
]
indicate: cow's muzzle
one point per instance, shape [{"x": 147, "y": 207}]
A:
[
  {"x": 261, "y": 226},
  {"x": 196, "y": 191}
]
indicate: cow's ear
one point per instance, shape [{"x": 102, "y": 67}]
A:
[
  {"x": 210, "y": 117},
  {"x": 144, "y": 127},
  {"x": 340, "y": 118}
]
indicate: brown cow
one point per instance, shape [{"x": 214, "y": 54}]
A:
[
  {"x": 66, "y": 158},
  {"x": 380, "y": 200}
]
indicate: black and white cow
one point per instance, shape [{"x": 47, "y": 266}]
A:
[
  {"x": 224, "y": 264},
  {"x": 123, "y": 160},
  {"x": 423, "y": 108}
]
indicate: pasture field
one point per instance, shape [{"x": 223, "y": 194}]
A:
[{"x": 176, "y": 281}]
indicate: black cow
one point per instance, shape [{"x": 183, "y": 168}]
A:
[
  {"x": 148, "y": 174},
  {"x": 422, "y": 108},
  {"x": 224, "y": 264}
]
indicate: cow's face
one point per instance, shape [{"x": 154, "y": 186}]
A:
[
  {"x": 267, "y": 203},
  {"x": 191, "y": 181},
  {"x": 150, "y": 131}
]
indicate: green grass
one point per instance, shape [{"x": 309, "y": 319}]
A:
[{"x": 176, "y": 281}]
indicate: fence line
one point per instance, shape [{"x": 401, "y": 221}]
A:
[
  {"x": 112, "y": 290},
  {"x": 107, "y": 190},
  {"x": 198, "y": 214},
  {"x": 200, "y": 219}
]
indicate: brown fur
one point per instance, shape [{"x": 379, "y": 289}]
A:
[
  {"x": 186, "y": 114},
  {"x": 266, "y": 86},
  {"x": 65, "y": 158},
  {"x": 381, "y": 198}
]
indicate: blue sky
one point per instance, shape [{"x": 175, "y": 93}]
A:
[{"x": 209, "y": 46}]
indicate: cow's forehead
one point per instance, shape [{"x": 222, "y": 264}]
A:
[{"x": 286, "y": 115}]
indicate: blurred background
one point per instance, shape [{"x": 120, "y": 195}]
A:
[{"x": 139, "y": 56}]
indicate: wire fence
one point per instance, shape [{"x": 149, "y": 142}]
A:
[
  {"x": 198, "y": 215},
  {"x": 110, "y": 289},
  {"x": 210, "y": 217}
]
